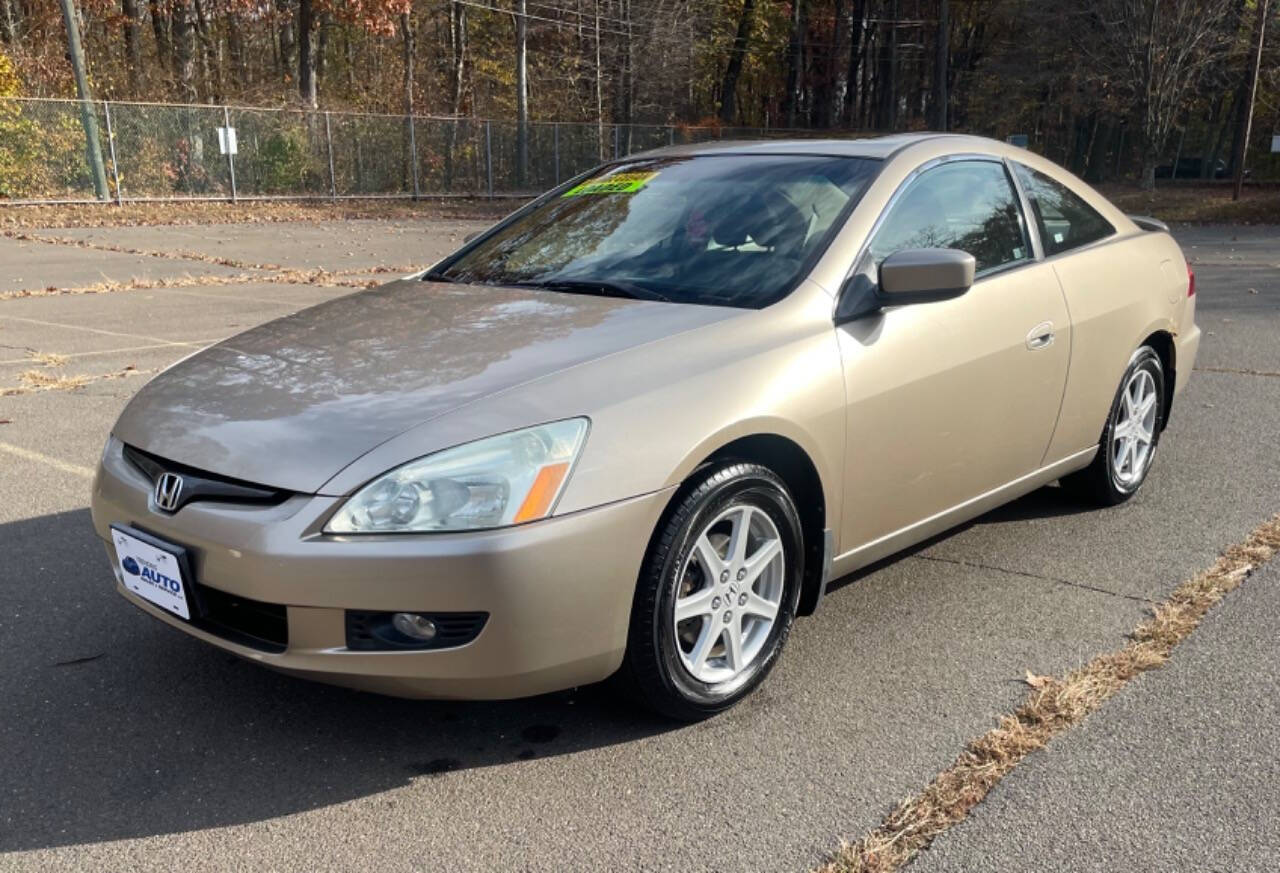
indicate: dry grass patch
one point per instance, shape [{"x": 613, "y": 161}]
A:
[
  {"x": 35, "y": 381},
  {"x": 49, "y": 359},
  {"x": 1207, "y": 202},
  {"x": 39, "y": 380},
  {"x": 1054, "y": 705}
]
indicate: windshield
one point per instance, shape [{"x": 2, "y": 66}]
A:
[{"x": 730, "y": 230}]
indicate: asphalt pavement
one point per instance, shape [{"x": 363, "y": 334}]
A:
[{"x": 127, "y": 745}]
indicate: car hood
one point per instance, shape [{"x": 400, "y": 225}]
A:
[{"x": 290, "y": 403}]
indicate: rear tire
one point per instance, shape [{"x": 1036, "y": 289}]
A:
[
  {"x": 727, "y": 558},
  {"x": 1129, "y": 441}
]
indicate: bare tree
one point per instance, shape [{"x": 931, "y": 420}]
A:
[
  {"x": 1154, "y": 53},
  {"x": 9, "y": 23}
]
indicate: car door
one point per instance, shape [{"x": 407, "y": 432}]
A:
[{"x": 949, "y": 400}]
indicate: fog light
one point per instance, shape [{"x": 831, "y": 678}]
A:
[{"x": 414, "y": 626}]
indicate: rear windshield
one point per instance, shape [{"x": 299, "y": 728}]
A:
[{"x": 730, "y": 230}]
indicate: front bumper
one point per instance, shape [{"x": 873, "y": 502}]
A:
[{"x": 558, "y": 592}]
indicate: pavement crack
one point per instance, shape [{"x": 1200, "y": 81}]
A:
[
  {"x": 1026, "y": 575},
  {"x": 1238, "y": 371}
]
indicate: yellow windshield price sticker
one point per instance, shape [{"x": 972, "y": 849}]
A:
[{"x": 618, "y": 183}]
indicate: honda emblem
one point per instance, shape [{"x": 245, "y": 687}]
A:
[{"x": 168, "y": 491}]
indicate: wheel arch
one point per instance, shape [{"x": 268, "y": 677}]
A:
[
  {"x": 1166, "y": 348},
  {"x": 794, "y": 465}
]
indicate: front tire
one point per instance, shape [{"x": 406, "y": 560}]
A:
[
  {"x": 1129, "y": 440},
  {"x": 717, "y": 593}
]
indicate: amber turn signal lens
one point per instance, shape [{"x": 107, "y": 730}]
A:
[{"x": 543, "y": 493}]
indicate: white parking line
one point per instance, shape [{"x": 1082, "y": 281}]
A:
[
  {"x": 123, "y": 351},
  {"x": 28, "y": 455},
  {"x": 154, "y": 339}
]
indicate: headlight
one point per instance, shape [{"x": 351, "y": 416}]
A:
[{"x": 507, "y": 479}]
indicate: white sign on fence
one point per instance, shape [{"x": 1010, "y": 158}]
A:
[
  {"x": 227, "y": 140},
  {"x": 1275, "y": 143}
]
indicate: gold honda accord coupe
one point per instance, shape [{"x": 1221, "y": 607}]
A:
[{"x": 637, "y": 426}]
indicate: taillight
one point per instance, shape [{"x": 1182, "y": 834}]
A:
[{"x": 1191, "y": 281}]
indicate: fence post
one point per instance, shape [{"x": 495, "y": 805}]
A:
[
  {"x": 488, "y": 156},
  {"x": 413, "y": 157},
  {"x": 328, "y": 137},
  {"x": 555, "y": 139},
  {"x": 111, "y": 144},
  {"x": 231, "y": 157},
  {"x": 616, "y": 128}
]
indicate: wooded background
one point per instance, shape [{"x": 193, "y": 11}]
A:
[{"x": 1110, "y": 88}]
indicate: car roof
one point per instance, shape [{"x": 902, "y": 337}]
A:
[{"x": 877, "y": 147}]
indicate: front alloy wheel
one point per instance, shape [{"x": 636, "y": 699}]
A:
[
  {"x": 717, "y": 593},
  {"x": 729, "y": 594}
]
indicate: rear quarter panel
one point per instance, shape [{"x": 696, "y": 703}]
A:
[{"x": 1119, "y": 292}]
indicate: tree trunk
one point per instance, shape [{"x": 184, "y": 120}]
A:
[
  {"x": 132, "y": 32},
  {"x": 322, "y": 43},
  {"x": 9, "y": 23},
  {"x": 599, "y": 89},
  {"x": 832, "y": 102},
  {"x": 888, "y": 74},
  {"x": 406, "y": 31},
  {"x": 522, "y": 94},
  {"x": 856, "y": 45},
  {"x": 941, "y": 65},
  {"x": 286, "y": 39},
  {"x": 623, "y": 86},
  {"x": 458, "y": 42},
  {"x": 792, "y": 104},
  {"x": 235, "y": 49},
  {"x": 306, "y": 60},
  {"x": 160, "y": 28},
  {"x": 1148, "y": 180},
  {"x": 729, "y": 87},
  {"x": 184, "y": 38},
  {"x": 210, "y": 73}
]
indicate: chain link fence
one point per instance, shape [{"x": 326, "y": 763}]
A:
[
  {"x": 153, "y": 151},
  {"x": 170, "y": 151}
]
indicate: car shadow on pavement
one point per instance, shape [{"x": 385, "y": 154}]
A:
[
  {"x": 118, "y": 726},
  {"x": 1045, "y": 502}
]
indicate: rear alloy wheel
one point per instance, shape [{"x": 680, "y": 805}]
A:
[
  {"x": 1129, "y": 441},
  {"x": 717, "y": 594}
]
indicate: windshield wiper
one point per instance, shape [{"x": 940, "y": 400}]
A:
[{"x": 605, "y": 287}]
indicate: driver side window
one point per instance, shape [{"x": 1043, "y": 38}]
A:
[{"x": 965, "y": 205}]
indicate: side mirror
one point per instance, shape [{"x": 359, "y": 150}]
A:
[
  {"x": 925, "y": 276},
  {"x": 905, "y": 277}
]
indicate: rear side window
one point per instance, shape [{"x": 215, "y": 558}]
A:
[
  {"x": 1065, "y": 220},
  {"x": 965, "y": 205}
]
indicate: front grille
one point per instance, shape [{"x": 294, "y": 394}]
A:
[
  {"x": 252, "y": 623},
  {"x": 199, "y": 485},
  {"x": 373, "y": 632}
]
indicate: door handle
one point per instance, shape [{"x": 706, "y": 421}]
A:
[{"x": 1040, "y": 336}]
